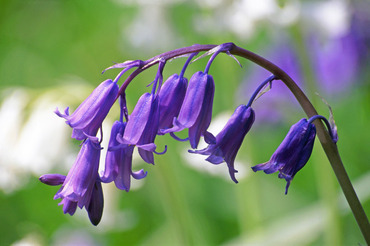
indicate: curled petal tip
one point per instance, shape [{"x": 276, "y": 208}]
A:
[
  {"x": 163, "y": 152},
  {"x": 139, "y": 174},
  {"x": 287, "y": 187},
  {"x": 173, "y": 135},
  {"x": 66, "y": 112}
]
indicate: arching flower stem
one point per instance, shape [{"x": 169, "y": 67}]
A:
[
  {"x": 165, "y": 56},
  {"x": 325, "y": 139},
  {"x": 330, "y": 148}
]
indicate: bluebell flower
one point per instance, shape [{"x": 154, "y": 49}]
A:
[
  {"x": 88, "y": 117},
  {"x": 293, "y": 153},
  {"x": 229, "y": 140},
  {"x": 94, "y": 207},
  {"x": 142, "y": 127},
  {"x": 118, "y": 161},
  {"x": 196, "y": 110},
  {"x": 78, "y": 186},
  {"x": 171, "y": 97}
]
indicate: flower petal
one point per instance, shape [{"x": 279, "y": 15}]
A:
[
  {"x": 171, "y": 97},
  {"x": 138, "y": 119},
  {"x": 95, "y": 207},
  {"x": 114, "y": 153},
  {"x": 194, "y": 99},
  {"x": 88, "y": 117}
]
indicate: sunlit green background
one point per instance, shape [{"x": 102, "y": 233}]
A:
[{"x": 51, "y": 55}]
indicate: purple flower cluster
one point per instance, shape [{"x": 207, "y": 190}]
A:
[{"x": 170, "y": 107}]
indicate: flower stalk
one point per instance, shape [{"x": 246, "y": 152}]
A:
[
  {"x": 82, "y": 186},
  {"x": 329, "y": 147}
]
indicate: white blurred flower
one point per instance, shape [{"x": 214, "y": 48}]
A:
[
  {"x": 151, "y": 29},
  {"x": 34, "y": 139},
  {"x": 73, "y": 237},
  {"x": 43, "y": 138},
  {"x": 11, "y": 118},
  {"x": 243, "y": 16},
  {"x": 32, "y": 239},
  {"x": 146, "y": 2},
  {"x": 331, "y": 18}
]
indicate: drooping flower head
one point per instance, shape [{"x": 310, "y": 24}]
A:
[
  {"x": 170, "y": 108},
  {"x": 293, "y": 153},
  {"x": 229, "y": 140},
  {"x": 88, "y": 117},
  {"x": 94, "y": 207},
  {"x": 79, "y": 183},
  {"x": 118, "y": 161}
]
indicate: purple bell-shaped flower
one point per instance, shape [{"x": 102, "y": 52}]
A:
[
  {"x": 229, "y": 140},
  {"x": 88, "y": 117},
  {"x": 293, "y": 153},
  {"x": 94, "y": 207},
  {"x": 142, "y": 127},
  {"x": 79, "y": 183},
  {"x": 118, "y": 161},
  {"x": 196, "y": 110},
  {"x": 171, "y": 97}
]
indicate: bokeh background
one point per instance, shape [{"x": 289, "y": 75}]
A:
[{"x": 52, "y": 54}]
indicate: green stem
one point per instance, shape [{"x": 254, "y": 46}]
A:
[
  {"x": 325, "y": 177},
  {"x": 328, "y": 145}
]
